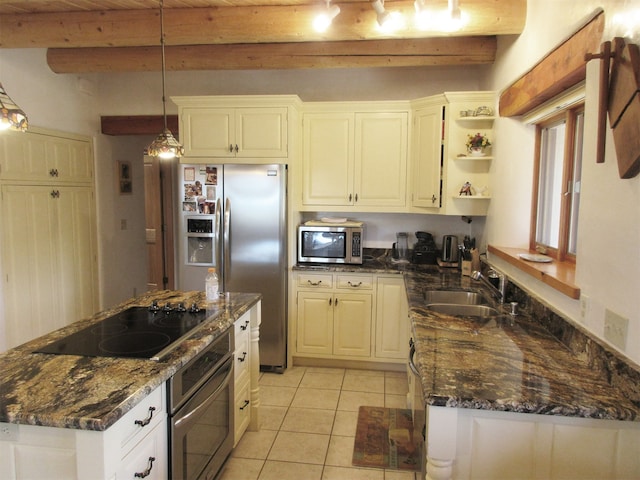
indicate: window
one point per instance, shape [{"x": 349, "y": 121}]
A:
[{"x": 557, "y": 176}]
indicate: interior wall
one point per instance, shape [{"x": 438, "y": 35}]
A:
[{"x": 607, "y": 269}]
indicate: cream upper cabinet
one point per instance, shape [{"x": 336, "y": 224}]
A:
[
  {"x": 237, "y": 127},
  {"x": 45, "y": 158},
  {"x": 234, "y": 132},
  {"x": 354, "y": 159},
  {"x": 426, "y": 156}
]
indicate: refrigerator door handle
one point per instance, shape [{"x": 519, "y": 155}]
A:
[
  {"x": 218, "y": 238},
  {"x": 227, "y": 238}
]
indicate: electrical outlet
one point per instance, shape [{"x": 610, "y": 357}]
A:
[
  {"x": 584, "y": 306},
  {"x": 615, "y": 328},
  {"x": 9, "y": 432}
]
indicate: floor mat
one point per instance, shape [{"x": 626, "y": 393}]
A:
[{"x": 384, "y": 439}]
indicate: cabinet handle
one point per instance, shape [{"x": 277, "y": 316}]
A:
[
  {"x": 314, "y": 284},
  {"x": 146, "y": 421},
  {"x": 244, "y": 327},
  {"x": 356, "y": 198},
  {"x": 53, "y": 172},
  {"x": 230, "y": 148},
  {"x": 55, "y": 194},
  {"x": 354, "y": 285},
  {"x": 147, "y": 472},
  {"x": 244, "y": 357},
  {"x": 236, "y": 149},
  {"x": 350, "y": 197},
  {"x": 336, "y": 304},
  {"x": 330, "y": 301},
  {"x": 433, "y": 199},
  {"x": 246, "y": 404}
]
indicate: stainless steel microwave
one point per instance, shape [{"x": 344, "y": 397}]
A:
[{"x": 326, "y": 242}]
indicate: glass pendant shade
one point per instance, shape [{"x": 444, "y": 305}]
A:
[
  {"x": 11, "y": 116},
  {"x": 165, "y": 146}
]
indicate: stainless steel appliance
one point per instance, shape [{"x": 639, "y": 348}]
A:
[
  {"x": 246, "y": 208},
  {"x": 137, "y": 332},
  {"x": 449, "y": 248},
  {"x": 325, "y": 242},
  {"x": 200, "y": 405}
]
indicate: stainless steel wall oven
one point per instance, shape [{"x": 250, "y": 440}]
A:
[{"x": 200, "y": 399}]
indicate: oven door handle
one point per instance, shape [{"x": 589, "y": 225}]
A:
[{"x": 210, "y": 398}]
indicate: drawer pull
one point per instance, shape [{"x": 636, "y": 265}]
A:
[
  {"x": 243, "y": 358},
  {"x": 147, "y": 472},
  {"x": 146, "y": 421},
  {"x": 53, "y": 172},
  {"x": 246, "y": 404},
  {"x": 244, "y": 327},
  {"x": 354, "y": 285},
  {"x": 55, "y": 194},
  {"x": 314, "y": 284}
]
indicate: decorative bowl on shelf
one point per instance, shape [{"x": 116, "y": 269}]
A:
[{"x": 476, "y": 152}]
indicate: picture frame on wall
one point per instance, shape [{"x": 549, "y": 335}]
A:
[{"x": 125, "y": 179}]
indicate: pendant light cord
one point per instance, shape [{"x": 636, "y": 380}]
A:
[{"x": 164, "y": 108}]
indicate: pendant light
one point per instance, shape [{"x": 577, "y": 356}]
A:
[
  {"x": 165, "y": 145},
  {"x": 11, "y": 116}
]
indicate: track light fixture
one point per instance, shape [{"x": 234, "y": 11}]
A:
[
  {"x": 450, "y": 20},
  {"x": 323, "y": 20},
  {"x": 388, "y": 21},
  {"x": 165, "y": 145},
  {"x": 11, "y": 116}
]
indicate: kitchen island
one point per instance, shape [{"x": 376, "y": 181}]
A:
[{"x": 64, "y": 412}]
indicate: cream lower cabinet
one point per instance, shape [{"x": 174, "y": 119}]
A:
[
  {"x": 124, "y": 450},
  {"x": 351, "y": 317},
  {"x": 354, "y": 159},
  {"x": 334, "y": 319},
  {"x": 392, "y": 318},
  {"x": 479, "y": 444},
  {"x": 245, "y": 373}
]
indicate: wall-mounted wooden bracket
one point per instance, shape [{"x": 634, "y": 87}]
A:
[
  {"x": 620, "y": 96},
  {"x": 603, "y": 98}
]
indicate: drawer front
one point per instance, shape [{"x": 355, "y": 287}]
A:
[
  {"x": 315, "y": 280},
  {"x": 148, "y": 459},
  {"x": 142, "y": 418},
  {"x": 355, "y": 282},
  {"x": 242, "y": 415},
  {"x": 241, "y": 360}
]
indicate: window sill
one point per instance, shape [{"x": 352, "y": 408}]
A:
[{"x": 558, "y": 275}]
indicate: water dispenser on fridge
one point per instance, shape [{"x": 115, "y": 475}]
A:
[{"x": 200, "y": 244}]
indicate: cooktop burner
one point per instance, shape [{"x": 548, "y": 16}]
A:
[{"x": 137, "y": 332}]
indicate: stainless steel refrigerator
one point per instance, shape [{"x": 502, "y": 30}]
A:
[{"x": 234, "y": 218}]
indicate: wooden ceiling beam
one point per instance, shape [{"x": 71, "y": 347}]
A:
[
  {"x": 371, "y": 53},
  {"x": 237, "y": 25}
]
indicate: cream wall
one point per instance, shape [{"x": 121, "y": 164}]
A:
[{"x": 608, "y": 265}]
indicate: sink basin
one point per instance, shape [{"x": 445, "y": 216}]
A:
[
  {"x": 463, "y": 310},
  {"x": 455, "y": 297}
]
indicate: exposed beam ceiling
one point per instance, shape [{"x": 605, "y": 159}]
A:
[{"x": 123, "y": 35}]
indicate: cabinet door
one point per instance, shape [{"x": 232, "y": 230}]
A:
[
  {"x": 207, "y": 132},
  {"x": 352, "y": 325},
  {"x": 315, "y": 322},
  {"x": 48, "y": 255},
  {"x": 427, "y": 153},
  {"x": 38, "y": 157},
  {"x": 381, "y": 159},
  {"x": 328, "y": 159},
  {"x": 392, "y": 322},
  {"x": 261, "y": 132}
]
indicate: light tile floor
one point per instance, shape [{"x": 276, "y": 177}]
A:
[{"x": 309, "y": 417}]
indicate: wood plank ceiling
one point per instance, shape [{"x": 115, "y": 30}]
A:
[{"x": 124, "y": 35}]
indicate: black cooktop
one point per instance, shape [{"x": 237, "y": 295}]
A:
[{"x": 137, "y": 332}]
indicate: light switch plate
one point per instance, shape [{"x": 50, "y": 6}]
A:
[{"x": 615, "y": 328}]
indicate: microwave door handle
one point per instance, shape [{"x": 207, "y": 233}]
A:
[
  {"x": 227, "y": 239},
  {"x": 218, "y": 237}
]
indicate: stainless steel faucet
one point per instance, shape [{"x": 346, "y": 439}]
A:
[{"x": 499, "y": 292}]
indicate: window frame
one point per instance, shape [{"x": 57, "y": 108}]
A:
[{"x": 568, "y": 113}]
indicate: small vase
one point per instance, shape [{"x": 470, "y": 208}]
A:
[{"x": 476, "y": 151}]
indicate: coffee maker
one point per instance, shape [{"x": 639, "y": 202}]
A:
[{"x": 424, "y": 250}]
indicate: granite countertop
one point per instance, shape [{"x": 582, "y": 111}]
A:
[
  {"x": 503, "y": 363},
  {"x": 92, "y": 393}
]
